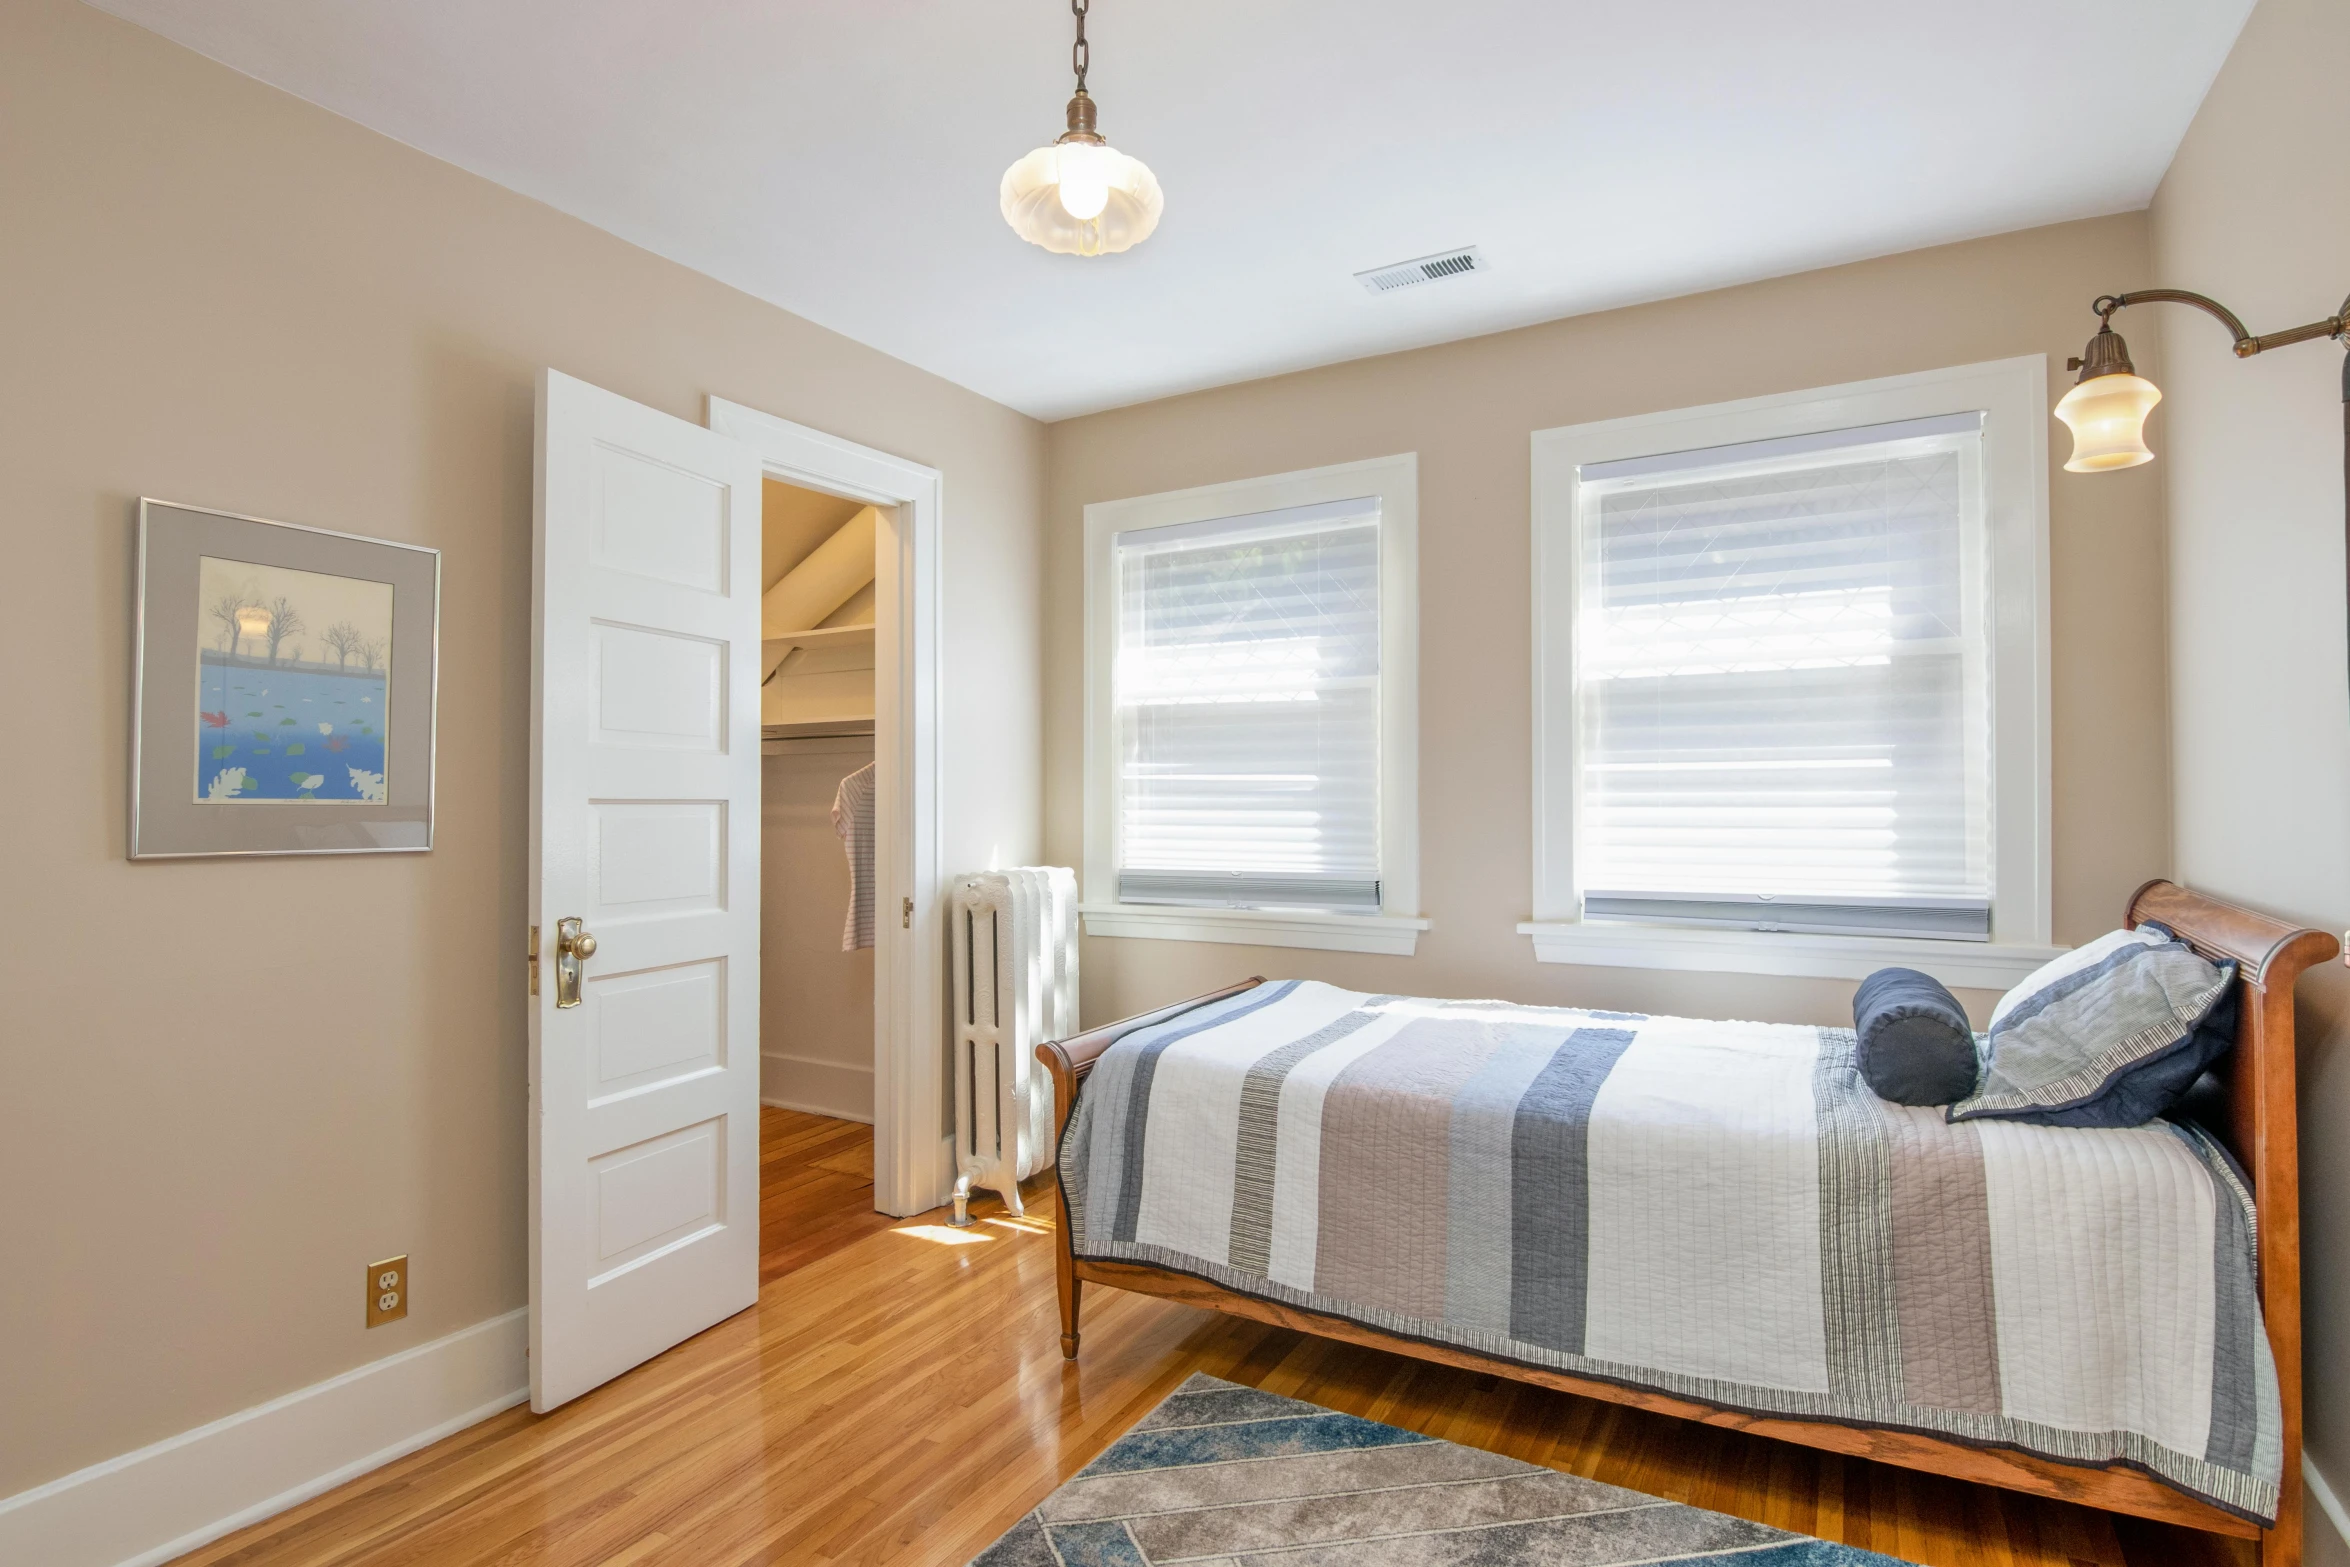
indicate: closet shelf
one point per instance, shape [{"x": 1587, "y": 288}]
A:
[
  {"x": 821, "y": 636},
  {"x": 818, "y": 729}
]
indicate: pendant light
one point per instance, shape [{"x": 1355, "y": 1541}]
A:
[{"x": 1080, "y": 196}]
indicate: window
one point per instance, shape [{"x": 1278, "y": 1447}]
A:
[
  {"x": 1245, "y": 695},
  {"x": 1792, "y": 682},
  {"x": 1780, "y": 684},
  {"x": 1251, "y": 720}
]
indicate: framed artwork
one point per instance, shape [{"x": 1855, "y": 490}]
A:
[{"x": 285, "y": 688}]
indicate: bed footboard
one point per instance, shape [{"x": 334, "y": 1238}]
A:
[{"x": 1070, "y": 1061}]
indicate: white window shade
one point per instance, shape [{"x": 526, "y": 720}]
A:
[
  {"x": 1246, "y": 710},
  {"x": 1781, "y": 679}
]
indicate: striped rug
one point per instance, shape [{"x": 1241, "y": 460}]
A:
[{"x": 1226, "y": 1476}]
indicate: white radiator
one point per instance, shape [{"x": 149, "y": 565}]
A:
[{"x": 1015, "y": 941}]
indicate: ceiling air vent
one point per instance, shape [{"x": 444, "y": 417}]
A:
[{"x": 1428, "y": 269}]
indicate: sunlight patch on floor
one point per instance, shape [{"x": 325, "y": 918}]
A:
[
  {"x": 1024, "y": 1225},
  {"x": 942, "y": 1234}
]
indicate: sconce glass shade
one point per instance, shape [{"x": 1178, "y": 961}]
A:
[
  {"x": 1081, "y": 198},
  {"x": 252, "y": 621},
  {"x": 2107, "y": 415}
]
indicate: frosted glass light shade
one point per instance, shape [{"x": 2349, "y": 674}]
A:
[
  {"x": 1086, "y": 169},
  {"x": 1081, "y": 198},
  {"x": 2107, "y": 415}
]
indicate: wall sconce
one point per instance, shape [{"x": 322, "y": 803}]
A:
[{"x": 2107, "y": 408}]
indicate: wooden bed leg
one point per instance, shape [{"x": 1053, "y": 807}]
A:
[
  {"x": 1064, "y": 1243},
  {"x": 2279, "y": 1548},
  {"x": 1071, "y": 1287}
]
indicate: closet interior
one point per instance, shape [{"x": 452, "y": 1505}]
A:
[{"x": 816, "y": 871}]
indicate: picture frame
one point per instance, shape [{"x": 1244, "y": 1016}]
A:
[{"x": 285, "y": 688}]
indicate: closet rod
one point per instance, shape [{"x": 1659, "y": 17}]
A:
[{"x": 837, "y": 730}]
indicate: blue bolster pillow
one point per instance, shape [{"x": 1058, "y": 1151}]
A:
[{"x": 1916, "y": 1045}]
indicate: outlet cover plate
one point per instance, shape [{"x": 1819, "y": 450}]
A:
[{"x": 387, "y": 1291}]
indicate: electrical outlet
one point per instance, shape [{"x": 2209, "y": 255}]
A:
[{"x": 387, "y": 1291}]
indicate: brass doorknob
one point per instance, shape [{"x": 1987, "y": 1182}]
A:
[{"x": 573, "y": 947}]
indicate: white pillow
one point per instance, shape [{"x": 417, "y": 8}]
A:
[
  {"x": 2108, "y": 1035},
  {"x": 2088, "y": 956}
]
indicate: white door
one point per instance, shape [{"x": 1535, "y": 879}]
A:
[{"x": 644, "y": 818}]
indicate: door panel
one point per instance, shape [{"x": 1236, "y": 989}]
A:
[
  {"x": 656, "y": 1027},
  {"x": 656, "y": 1193},
  {"x": 656, "y": 521},
  {"x": 658, "y": 689},
  {"x": 659, "y": 857},
  {"x": 644, "y": 822}
]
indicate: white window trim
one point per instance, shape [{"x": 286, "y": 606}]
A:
[
  {"x": 1396, "y": 928},
  {"x": 1959, "y": 964},
  {"x": 1390, "y": 935},
  {"x": 2013, "y": 394}
]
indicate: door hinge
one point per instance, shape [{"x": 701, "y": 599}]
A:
[
  {"x": 906, "y": 915},
  {"x": 534, "y": 960}
]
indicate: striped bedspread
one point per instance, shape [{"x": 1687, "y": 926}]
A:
[{"x": 1718, "y": 1210}]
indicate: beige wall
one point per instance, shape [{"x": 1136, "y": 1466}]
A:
[
  {"x": 2256, "y": 212},
  {"x": 1467, "y": 408},
  {"x": 226, "y": 1086}
]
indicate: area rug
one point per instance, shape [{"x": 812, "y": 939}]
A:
[{"x": 1226, "y": 1476}]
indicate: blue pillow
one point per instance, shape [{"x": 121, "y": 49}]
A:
[
  {"x": 1915, "y": 1045},
  {"x": 2110, "y": 1034}
]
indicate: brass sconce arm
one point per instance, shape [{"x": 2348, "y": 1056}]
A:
[
  {"x": 2246, "y": 344},
  {"x": 2107, "y": 408}
]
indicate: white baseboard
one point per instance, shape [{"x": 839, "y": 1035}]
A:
[
  {"x": 166, "y": 1499},
  {"x": 2324, "y": 1512},
  {"x": 818, "y": 1087}
]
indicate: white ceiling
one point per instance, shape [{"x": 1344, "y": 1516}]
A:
[{"x": 840, "y": 157}]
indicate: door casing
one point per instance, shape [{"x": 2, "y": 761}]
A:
[{"x": 913, "y": 1151}]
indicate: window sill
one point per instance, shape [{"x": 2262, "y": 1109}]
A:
[
  {"x": 1386, "y": 934},
  {"x": 1958, "y": 964}
]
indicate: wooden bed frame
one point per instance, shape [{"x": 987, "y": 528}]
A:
[{"x": 2260, "y": 1128}]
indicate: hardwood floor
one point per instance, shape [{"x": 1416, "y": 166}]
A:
[
  {"x": 898, "y": 1396},
  {"x": 815, "y": 1189}
]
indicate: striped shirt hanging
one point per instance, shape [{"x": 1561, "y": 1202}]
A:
[{"x": 852, "y": 818}]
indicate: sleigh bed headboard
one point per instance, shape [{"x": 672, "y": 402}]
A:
[
  {"x": 2261, "y": 1122},
  {"x": 2258, "y": 1075}
]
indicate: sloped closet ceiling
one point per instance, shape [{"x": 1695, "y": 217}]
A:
[{"x": 841, "y": 160}]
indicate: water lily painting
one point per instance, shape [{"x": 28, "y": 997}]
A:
[
  {"x": 293, "y": 684},
  {"x": 285, "y": 687}
]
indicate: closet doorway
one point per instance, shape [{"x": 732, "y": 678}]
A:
[
  {"x": 818, "y": 813},
  {"x": 849, "y": 668}
]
